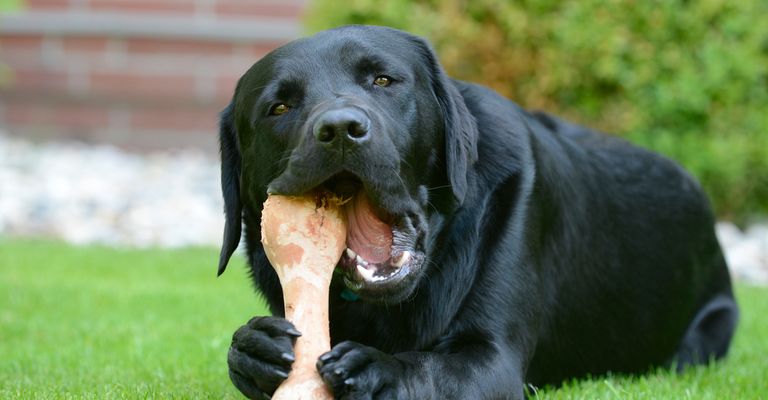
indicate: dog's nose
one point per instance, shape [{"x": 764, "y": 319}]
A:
[{"x": 341, "y": 124}]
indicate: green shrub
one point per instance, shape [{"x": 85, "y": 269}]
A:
[
  {"x": 686, "y": 78},
  {"x": 10, "y": 5}
]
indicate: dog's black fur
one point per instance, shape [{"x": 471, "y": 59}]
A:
[{"x": 541, "y": 250}]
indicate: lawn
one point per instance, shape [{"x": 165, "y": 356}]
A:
[{"x": 95, "y": 322}]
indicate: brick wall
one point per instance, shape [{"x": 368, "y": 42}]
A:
[{"x": 137, "y": 73}]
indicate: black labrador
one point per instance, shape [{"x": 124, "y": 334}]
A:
[{"x": 489, "y": 247}]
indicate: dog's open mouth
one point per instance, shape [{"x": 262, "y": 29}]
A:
[
  {"x": 369, "y": 257},
  {"x": 380, "y": 253}
]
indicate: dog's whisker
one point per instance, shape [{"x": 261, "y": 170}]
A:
[
  {"x": 438, "y": 187},
  {"x": 400, "y": 178}
]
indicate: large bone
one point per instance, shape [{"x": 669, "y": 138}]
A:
[{"x": 303, "y": 238}]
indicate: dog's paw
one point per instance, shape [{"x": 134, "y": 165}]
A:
[
  {"x": 261, "y": 355},
  {"x": 355, "y": 371}
]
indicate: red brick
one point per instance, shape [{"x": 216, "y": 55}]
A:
[
  {"x": 20, "y": 42},
  {"x": 24, "y": 51},
  {"x": 47, "y": 4},
  {"x": 193, "y": 47},
  {"x": 251, "y": 8},
  {"x": 225, "y": 86},
  {"x": 258, "y": 50},
  {"x": 36, "y": 80},
  {"x": 144, "y": 6},
  {"x": 84, "y": 44},
  {"x": 59, "y": 115},
  {"x": 177, "y": 119},
  {"x": 143, "y": 86}
]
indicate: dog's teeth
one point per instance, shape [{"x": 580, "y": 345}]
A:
[
  {"x": 360, "y": 260},
  {"x": 365, "y": 272},
  {"x": 351, "y": 253},
  {"x": 369, "y": 274},
  {"x": 402, "y": 259}
]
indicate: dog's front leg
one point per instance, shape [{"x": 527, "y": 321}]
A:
[{"x": 472, "y": 371}]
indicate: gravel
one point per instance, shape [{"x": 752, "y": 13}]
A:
[{"x": 99, "y": 194}]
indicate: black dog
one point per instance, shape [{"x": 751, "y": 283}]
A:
[{"x": 489, "y": 247}]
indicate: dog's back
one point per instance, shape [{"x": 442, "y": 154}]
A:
[{"x": 646, "y": 283}]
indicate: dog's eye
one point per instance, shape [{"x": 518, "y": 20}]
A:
[
  {"x": 279, "y": 109},
  {"x": 382, "y": 80}
]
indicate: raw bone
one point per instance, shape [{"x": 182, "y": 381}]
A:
[{"x": 303, "y": 238}]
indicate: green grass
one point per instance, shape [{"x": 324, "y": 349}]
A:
[
  {"x": 95, "y": 322},
  {"x": 741, "y": 376},
  {"x": 11, "y": 5},
  {"x": 100, "y": 323}
]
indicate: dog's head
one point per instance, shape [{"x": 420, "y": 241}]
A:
[{"x": 365, "y": 112}]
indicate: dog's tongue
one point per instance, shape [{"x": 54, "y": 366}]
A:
[{"x": 367, "y": 235}]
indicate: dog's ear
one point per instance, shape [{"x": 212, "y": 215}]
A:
[
  {"x": 459, "y": 124},
  {"x": 230, "y": 186}
]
